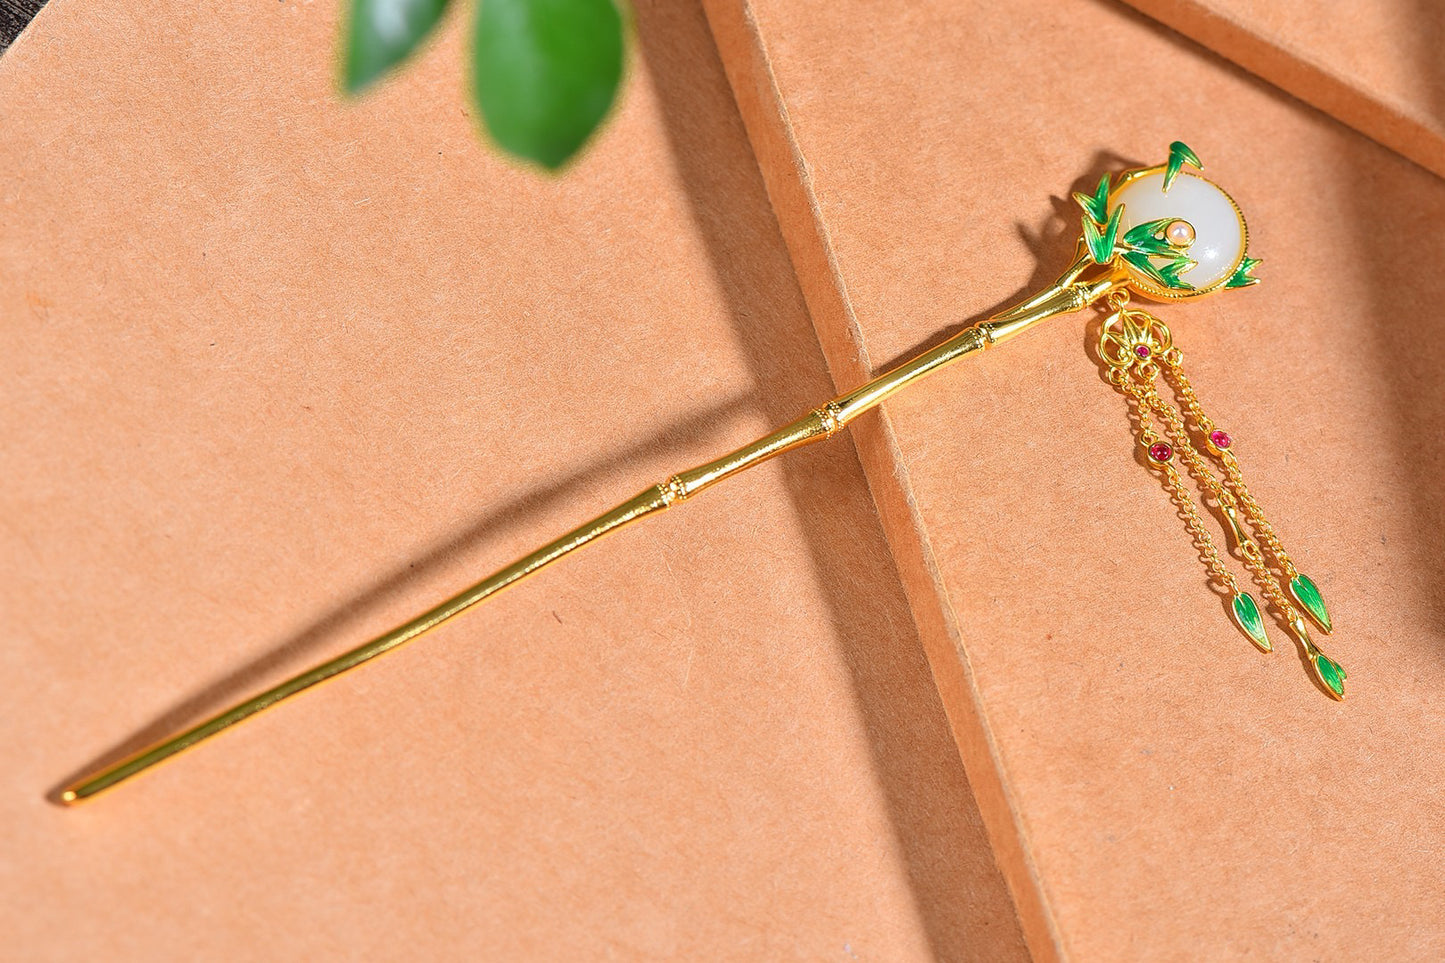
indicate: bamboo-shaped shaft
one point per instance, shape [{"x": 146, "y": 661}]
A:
[{"x": 1065, "y": 295}]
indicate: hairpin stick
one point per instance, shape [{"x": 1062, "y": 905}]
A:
[{"x": 1196, "y": 246}]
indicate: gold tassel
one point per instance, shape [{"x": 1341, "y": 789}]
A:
[{"x": 1137, "y": 347}]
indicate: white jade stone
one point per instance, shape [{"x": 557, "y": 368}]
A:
[{"x": 1218, "y": 229}]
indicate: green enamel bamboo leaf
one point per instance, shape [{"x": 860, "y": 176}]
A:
[
  {"x": 1179, "y": 155},
  {"x": 1146, "y": 267},
  {"x": 1101, "y": 244},
  {"x": 1241, "y": 277},
  {"x": 546, "y": 73},
  {"x": 1147, "y": 238},
  {"x": 1168, "y": 276},
  {"x": 1308, "y": 596},
  {"x": 1094, "y": 240},
  {"x": 1142, "y": 242},
  {"x": 1331, "y": 673},
  {"x": 1171, "y": 271},
  {"x": 1096, "y": 206},
  {"x": 1246, "y": 615},
  {"x": 1112, "y": 232},
  {"x": 1156, "y": 246},
  {"x": 383, "y": 33},
  {"x": 1149, "y": 231}
]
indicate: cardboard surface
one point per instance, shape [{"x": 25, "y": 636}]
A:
[
  {"x": 1156, "y": 788},
  {"x": 280, "y": 372},
  {"x": 1376, "y": 65}
]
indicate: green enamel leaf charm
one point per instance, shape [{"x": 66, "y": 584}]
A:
[
  {"x": 1309, "y": 598},
  {"x": 1179, "y": 155},
  {"x": 1246, "y": 615},
  {"x": 1097, "y": 206},
  {"x": 1241, "y": 278},
  {"x": 1101, "y": 245},
  {"x": 1331, "y": 673}
]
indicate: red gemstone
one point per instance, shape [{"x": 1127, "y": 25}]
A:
[
  {"x": 1142, "y": 350},
  {"x": 1220, "y": 440},
  {"x": 1160, "y": 452}
]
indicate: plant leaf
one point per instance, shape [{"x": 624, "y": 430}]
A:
[
  {"x": 1246, "y": 615},
  {"x": 1096, "y": 206},
  {"x": 1331, "y": 673},
  {"x": 1241, "y": 277},
  {"x": 383, "y": 33},
  {"x": 546, "y": 73},
  {"x": 1179, "y": 155},
  {"x": 1308, "y": 596}
]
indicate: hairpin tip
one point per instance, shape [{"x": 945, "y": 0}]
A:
[{"x": 69, "y": 797}]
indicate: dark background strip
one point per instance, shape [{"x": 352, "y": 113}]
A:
[{"x": 14, "y": 15}]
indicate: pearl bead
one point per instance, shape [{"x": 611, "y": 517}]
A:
[
  {"x": 1217, "y": 229},
  {"x": 1179, "y": 233}
]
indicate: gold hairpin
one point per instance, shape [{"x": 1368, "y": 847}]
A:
[{"x": 1161, "y": 232}]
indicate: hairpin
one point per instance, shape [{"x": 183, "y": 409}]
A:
[{"x": 1161, "y": 233}]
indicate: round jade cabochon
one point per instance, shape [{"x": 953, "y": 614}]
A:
[{"x": 1219, "y": 235}]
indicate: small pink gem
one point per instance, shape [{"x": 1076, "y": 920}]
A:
[
  {"x": 1220, "y": 440},
  {"x": 1160, "y": 452},
  {"x": 1142, "y": 350}
]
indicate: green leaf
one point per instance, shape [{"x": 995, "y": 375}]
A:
[
  {"x": 546, "y": 73},
  {"x": 1151, "y": 245},
  {"x": 1331, "y": 673},
  {"x": 1179, "y": 155},
  {"x": 1142, "y": 242},
  {"x": 1093, "y": 239},
  {"x": 1246, "y": 615},
  {"x": 1101, "y": 245},
  {"x": 1097, "y": 206},
  {"x": 1171, "y": 271},
  {"x": 1167, "y": 277},
  {"x": 1145, "y": 267},
  {"x": 1308, "y": 596},
  {"x": 1141, "y": 236},
  {"x": 383, "y": 33},
  {"x": 1241, "y": 278}
]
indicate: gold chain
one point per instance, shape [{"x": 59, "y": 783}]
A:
[
  {"x": 1209, "y": 553},
  {"x": 1248, "y": 548},
  {"x": 1234, "y": 477}
]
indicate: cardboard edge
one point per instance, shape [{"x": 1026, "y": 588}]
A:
[
  {"x": 785, "y": 173},
  {"x": 1294, "y": 72}
]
